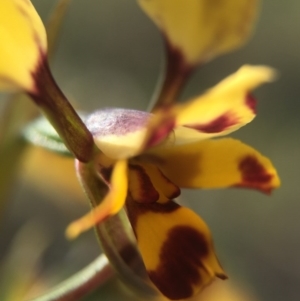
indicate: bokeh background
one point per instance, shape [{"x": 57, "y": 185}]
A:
[{"x": 110, "y": 54}]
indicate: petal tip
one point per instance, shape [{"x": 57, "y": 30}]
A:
[
  {"x": 258, "y": 174},
  {"x": 73, "y": 231},
  {"x": 263, "y": 73},
  {"x": 222, "y": 276}
]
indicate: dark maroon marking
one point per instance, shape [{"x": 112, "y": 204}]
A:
[
  {"x": 253, "y": 174},
  {"x": 216, "y": 126},
  {"x": 180, "y": 260},
  {"x": 251, "y": 102},
  {"x": 135, "y": 209},
  {"x": 128, "y": 253},
  {"x": 160, "y": 132},
  {"x": 147, "y": 192},
  {"x": 119, "y": 122}
]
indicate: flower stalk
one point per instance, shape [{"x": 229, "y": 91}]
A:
[
  {"x": 174, "y": 76},
  {"x": 51, "y": 100}
]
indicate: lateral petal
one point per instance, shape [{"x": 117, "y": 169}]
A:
[
  {"x": 216, "y": 164},
  {"x": 23, "y": 43},
  {"x": 111, "y": 204},
  {"x": 227, "y": 106},
  {"x": 176, "y": 247},
  {"x": 220, "y": 111}
]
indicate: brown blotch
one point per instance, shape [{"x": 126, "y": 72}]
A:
[
  {"x": 128, "y": 253},
  {"x": 216, "y": 126},
  {"x": 146, "y": 192},
  {"x": 135, "y": 209},
  {"x": 180, "y": 260},
  {"x": 251, "y": 102},
  {"x": 254, "y": 174}
]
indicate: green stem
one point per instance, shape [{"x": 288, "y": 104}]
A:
[
  {"x": 116, "y": 237},
  {"x": 61, "y": 114},
  {"x": 82, "y": 283}
]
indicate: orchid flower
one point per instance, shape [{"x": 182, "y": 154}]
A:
[{"x": 144, "y": 159}]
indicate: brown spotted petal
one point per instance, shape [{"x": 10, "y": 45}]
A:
[
  {"x": 221, "y": 110},
  {"x": 224, "y": 108},
  {"x": 176, "y": 247},
  {"x": 217, "y": 163}
]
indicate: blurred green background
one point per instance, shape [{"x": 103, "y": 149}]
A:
[{"x": 110, "y": 54}]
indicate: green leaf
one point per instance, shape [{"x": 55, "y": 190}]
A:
[{"x": 41, "y": 133}]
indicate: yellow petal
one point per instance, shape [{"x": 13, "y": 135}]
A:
[
  {"x": 23, "y": 42},
  {"x": 217, "y": 164},
  {"x": 229, "y": 96},
  {"x": 176, "y": 247},
  {"x": 220, "y": 111},
  {"x": 111, "y": 204},
  {"x": 202, "y": 29}
]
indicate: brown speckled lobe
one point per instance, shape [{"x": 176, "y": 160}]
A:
[
  {"x": 182, "y": 254},
  {"x": 218, "y": 125},
  {"x": 253, "y": 174},
  {"x": 117, "y": 122},
  {"x": 180, "y": 260}
]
